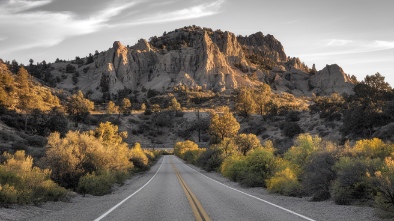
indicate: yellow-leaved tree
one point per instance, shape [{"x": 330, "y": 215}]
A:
[{"x": 223, "y": 125}]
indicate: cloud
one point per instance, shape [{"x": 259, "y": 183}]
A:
[
  {"x": 2, "y": 38},
  {"x": 15, "y": 6},
  {"x": 332, "y": 47},
  {"x": 338, "y": 42},
  {"x": 31, "y": 29},
  {"x": 192, "y": 12},
  {"x": 161, "y": 3}
]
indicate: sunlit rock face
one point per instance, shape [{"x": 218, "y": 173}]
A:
[
  {"x": 200, "y": 58},
  {"x": 331, "y": 79}
]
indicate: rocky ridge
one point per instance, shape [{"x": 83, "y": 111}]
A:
[{"x": 203, "y": 59}]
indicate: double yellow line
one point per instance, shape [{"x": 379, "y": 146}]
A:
[{"x": 196, "y": 206}]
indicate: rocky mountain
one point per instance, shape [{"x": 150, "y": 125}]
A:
[{"x": 203, "y": 59}]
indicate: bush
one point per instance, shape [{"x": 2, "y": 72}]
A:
[
  {"x": 138, "y": 157},
  {"x": 384, "y": 182},
  {"x": 305, "y": 144},
  {"x": 22, "y": 183},
  {"x": 259, "y": 166},
  {"x": 251, "y": 170},
  {"x": 290, "y": 129},
  {"x": 211, "y": 159},
  {"x": 353, "y": 182},
  {"x": 373, "y": 148},
  {"x": 293, "y": 116},
  {"x": 81, "y": 153},
  {"x": 96, "y": 185},
  {"x": 232, "y": 166},
  {"x": 318, "y": 174},
  {"x": 37, "y": 141},
  {"x": 284, "y": 182},
  {"x": 181, "y": 147},
  {"x": 191, "y": 156}
]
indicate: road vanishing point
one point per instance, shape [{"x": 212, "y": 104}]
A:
[{"x": 172, "y": 190}]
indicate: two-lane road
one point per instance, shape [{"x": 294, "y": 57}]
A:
[{"x": 172, "y": 190}]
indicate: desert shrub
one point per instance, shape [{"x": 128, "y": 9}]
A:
[
  {"x": 284, "y": 182},
  {"x": 305, "y": 144},
  {"x": 21, "y": 182},
  {"x": 290, "y": 129},
  {"x": 163, "y": 119},
  {"x": 96, "y": 184},
  {"x": 259, "y": 166},
  {"x": 232, "y": 166},
  {"x": 37, "y": 141},
  {"x": 373, "y": 148},
  {"x": 8, "y": 195},
  {"x": 353, "y": 182},
  {"x": 211, "y": 159},
  {"x": 318, "y": 174},
  {"x": 138, "y": 157},
  {"x": 191, "y": 156},
  {"x": 80, "y": 153},
  {"x": 181, "y": 147},
  {"x": 70, "y": 68},
  {"x": 250, "y": 170},
  {"x": 293, "y": 116},
  {"x": 384, "y": 182}
]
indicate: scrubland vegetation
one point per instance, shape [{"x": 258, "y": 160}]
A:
[
  {"x": 51, "y": 153},
  {"x": 358, "y": 173}
]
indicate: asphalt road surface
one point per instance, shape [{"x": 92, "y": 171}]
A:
[{"x": 172, "y": 190}]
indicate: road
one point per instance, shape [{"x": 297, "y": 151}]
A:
[{"x": 172, "y": 190}]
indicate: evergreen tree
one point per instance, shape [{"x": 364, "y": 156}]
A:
[{"x": 78, "y": 107}]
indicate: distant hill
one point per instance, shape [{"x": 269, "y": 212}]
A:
[{"x": 199, "y": 59}]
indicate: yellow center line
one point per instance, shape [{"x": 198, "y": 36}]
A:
[{"x": 196, "y": 206}]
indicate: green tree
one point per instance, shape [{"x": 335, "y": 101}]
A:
[
  {"x": 384, "y": 181},
  {"x": 174, "y": 104},
  {"x": 108, "y": 134},
  {"x": 223, "y": 125},
  {"x": 112, "y": 108},
  {"x": 125, "y": 106},
  {"x": 262, "y": 97},
  {"x": 245, "y": 104},
  {"x": 22, "y": 79},
  {"x": 181, "y": 147},
  {"x": 246, "y": 143},
  {"x": 78, "y": 107}
]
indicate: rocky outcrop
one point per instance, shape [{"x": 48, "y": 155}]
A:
[
  {"x": 331, "y": 79},
  {"x": 201, "y": 58},
  {"x": 264, "y": 46}
]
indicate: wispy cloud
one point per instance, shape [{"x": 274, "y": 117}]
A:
[
  {"x": 333, "y": 47},
  {"x": 15, "y": 6},
  {"x": 161, "y": 3},
  {"x": 192, "y": 12},
  {"x": 44, "y": 28},
  {"x": 338, "y": 42}
]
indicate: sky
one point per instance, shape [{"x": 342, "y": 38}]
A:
[{"x": 358, "y": 35}]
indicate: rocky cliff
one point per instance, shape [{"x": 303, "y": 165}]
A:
[{"x": 203, "y": 59}]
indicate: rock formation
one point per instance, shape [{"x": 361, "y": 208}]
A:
[
  {"x": 200, "y": 58},
  {"x": 331, "y": 79}
]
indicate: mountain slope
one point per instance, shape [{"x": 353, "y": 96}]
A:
[{"x": 203, "y": 59}]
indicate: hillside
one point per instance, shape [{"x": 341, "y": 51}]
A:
[{"x": 199, "y": 59}]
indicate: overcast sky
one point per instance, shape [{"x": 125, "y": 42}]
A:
[{"x": 358, "y": 35}]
